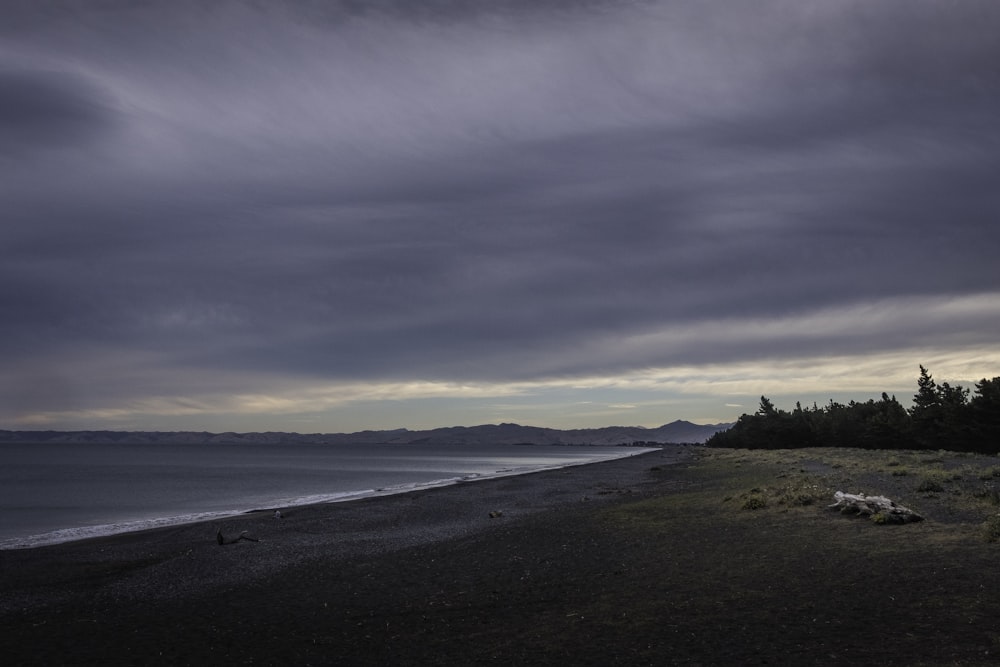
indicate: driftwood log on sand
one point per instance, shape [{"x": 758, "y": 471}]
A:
[
  {"x": 223, "y": 539},
  {"x": 878, "y": 508}
]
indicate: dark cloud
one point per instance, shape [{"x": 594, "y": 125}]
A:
[
  {"x": 248, "y": 195},
  {"x": 44, "y": 109}
]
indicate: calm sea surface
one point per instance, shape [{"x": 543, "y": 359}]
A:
[{"x": 59, "y": 492}]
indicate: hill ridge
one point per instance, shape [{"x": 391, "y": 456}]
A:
[{"x": 676, "y": 432}]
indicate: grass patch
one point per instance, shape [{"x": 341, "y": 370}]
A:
[
  {"x": 797, "y": 498},
  {"x": 990, "y": 473},
  {"x": 931, "y": 484},
  {"x": 991, "y": 528},
  {"x": 988, "y": 494},
  {"x": 754, "y": 502},
  {"x": 744, "y": 539},
  {"x": 787, "y": 485}
]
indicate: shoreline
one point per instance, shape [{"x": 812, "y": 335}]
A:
[
  {"x": 650, "y": 559},
  {"x": 373, "y": 524},
  {"x": 82, "y": 533},
  {"x": 151, "y": 596}
]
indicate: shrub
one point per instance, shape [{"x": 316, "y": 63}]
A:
[
  {"x": 930, "y": 485},
  {"x": 991, "y": 528},
  {"x": 799, "y": 496},
  {"x": 801, "y": 499},
  {"x": 989, "y": 494}
]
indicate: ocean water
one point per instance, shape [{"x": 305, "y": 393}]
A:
[{"x": 58, "y": 492}]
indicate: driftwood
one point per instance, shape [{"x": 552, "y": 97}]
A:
[
  {"x": 878, "y": 508},
  {"x": 245, "y": 535}
]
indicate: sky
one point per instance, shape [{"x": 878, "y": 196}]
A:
[{"x": 345, "y": 215}]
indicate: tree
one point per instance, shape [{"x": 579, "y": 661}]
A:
[
  {"x": 766, "y": 408},
  {"x": 984, "y": 416},
  {"x": 927, "y": 412},
  {"x": 926, "y": 398},
  {"x": 942, "y": 417}
]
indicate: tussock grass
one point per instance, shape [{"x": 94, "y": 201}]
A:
[
  {"x": 931, "y": 484},
  {"x": 990, "y": 473},
  {"x": 991, "y": 528},
  {"x": 988, "y": 494},
  {"x": 799, "y": 484}
]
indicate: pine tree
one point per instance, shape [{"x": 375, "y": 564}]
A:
[
  {"x": 927, "y": 413},
  {"x": 984, "y": 416}
]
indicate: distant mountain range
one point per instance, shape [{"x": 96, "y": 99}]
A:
[{"x": 677, "y": 432}]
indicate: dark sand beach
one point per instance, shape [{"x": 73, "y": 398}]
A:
[{"x": 648, "y": 560}]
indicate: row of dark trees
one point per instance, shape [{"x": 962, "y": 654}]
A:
[{"x": 942, "y": 417}]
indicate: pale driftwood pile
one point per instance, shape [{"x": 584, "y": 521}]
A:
[{"x": 878, "y": 508}]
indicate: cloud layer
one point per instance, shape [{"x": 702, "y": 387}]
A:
[{"x": 331, "y": 210}]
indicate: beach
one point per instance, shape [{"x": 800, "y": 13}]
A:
[
  {"x": 643, "y": 560},
  {"x": 65, "y": 491}
]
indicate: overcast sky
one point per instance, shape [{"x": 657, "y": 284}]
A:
[{"x": 333, "y": 216}]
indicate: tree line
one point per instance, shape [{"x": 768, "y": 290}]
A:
[{"x": 941, "y": 417}]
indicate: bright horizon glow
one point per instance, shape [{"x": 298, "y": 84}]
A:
[{"x": 656, "y": 397}]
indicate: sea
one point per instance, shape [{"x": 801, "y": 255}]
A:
[{"x": 60, "y": 492}]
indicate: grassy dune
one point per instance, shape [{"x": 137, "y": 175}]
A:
[{"x": 753, "y": 566}]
